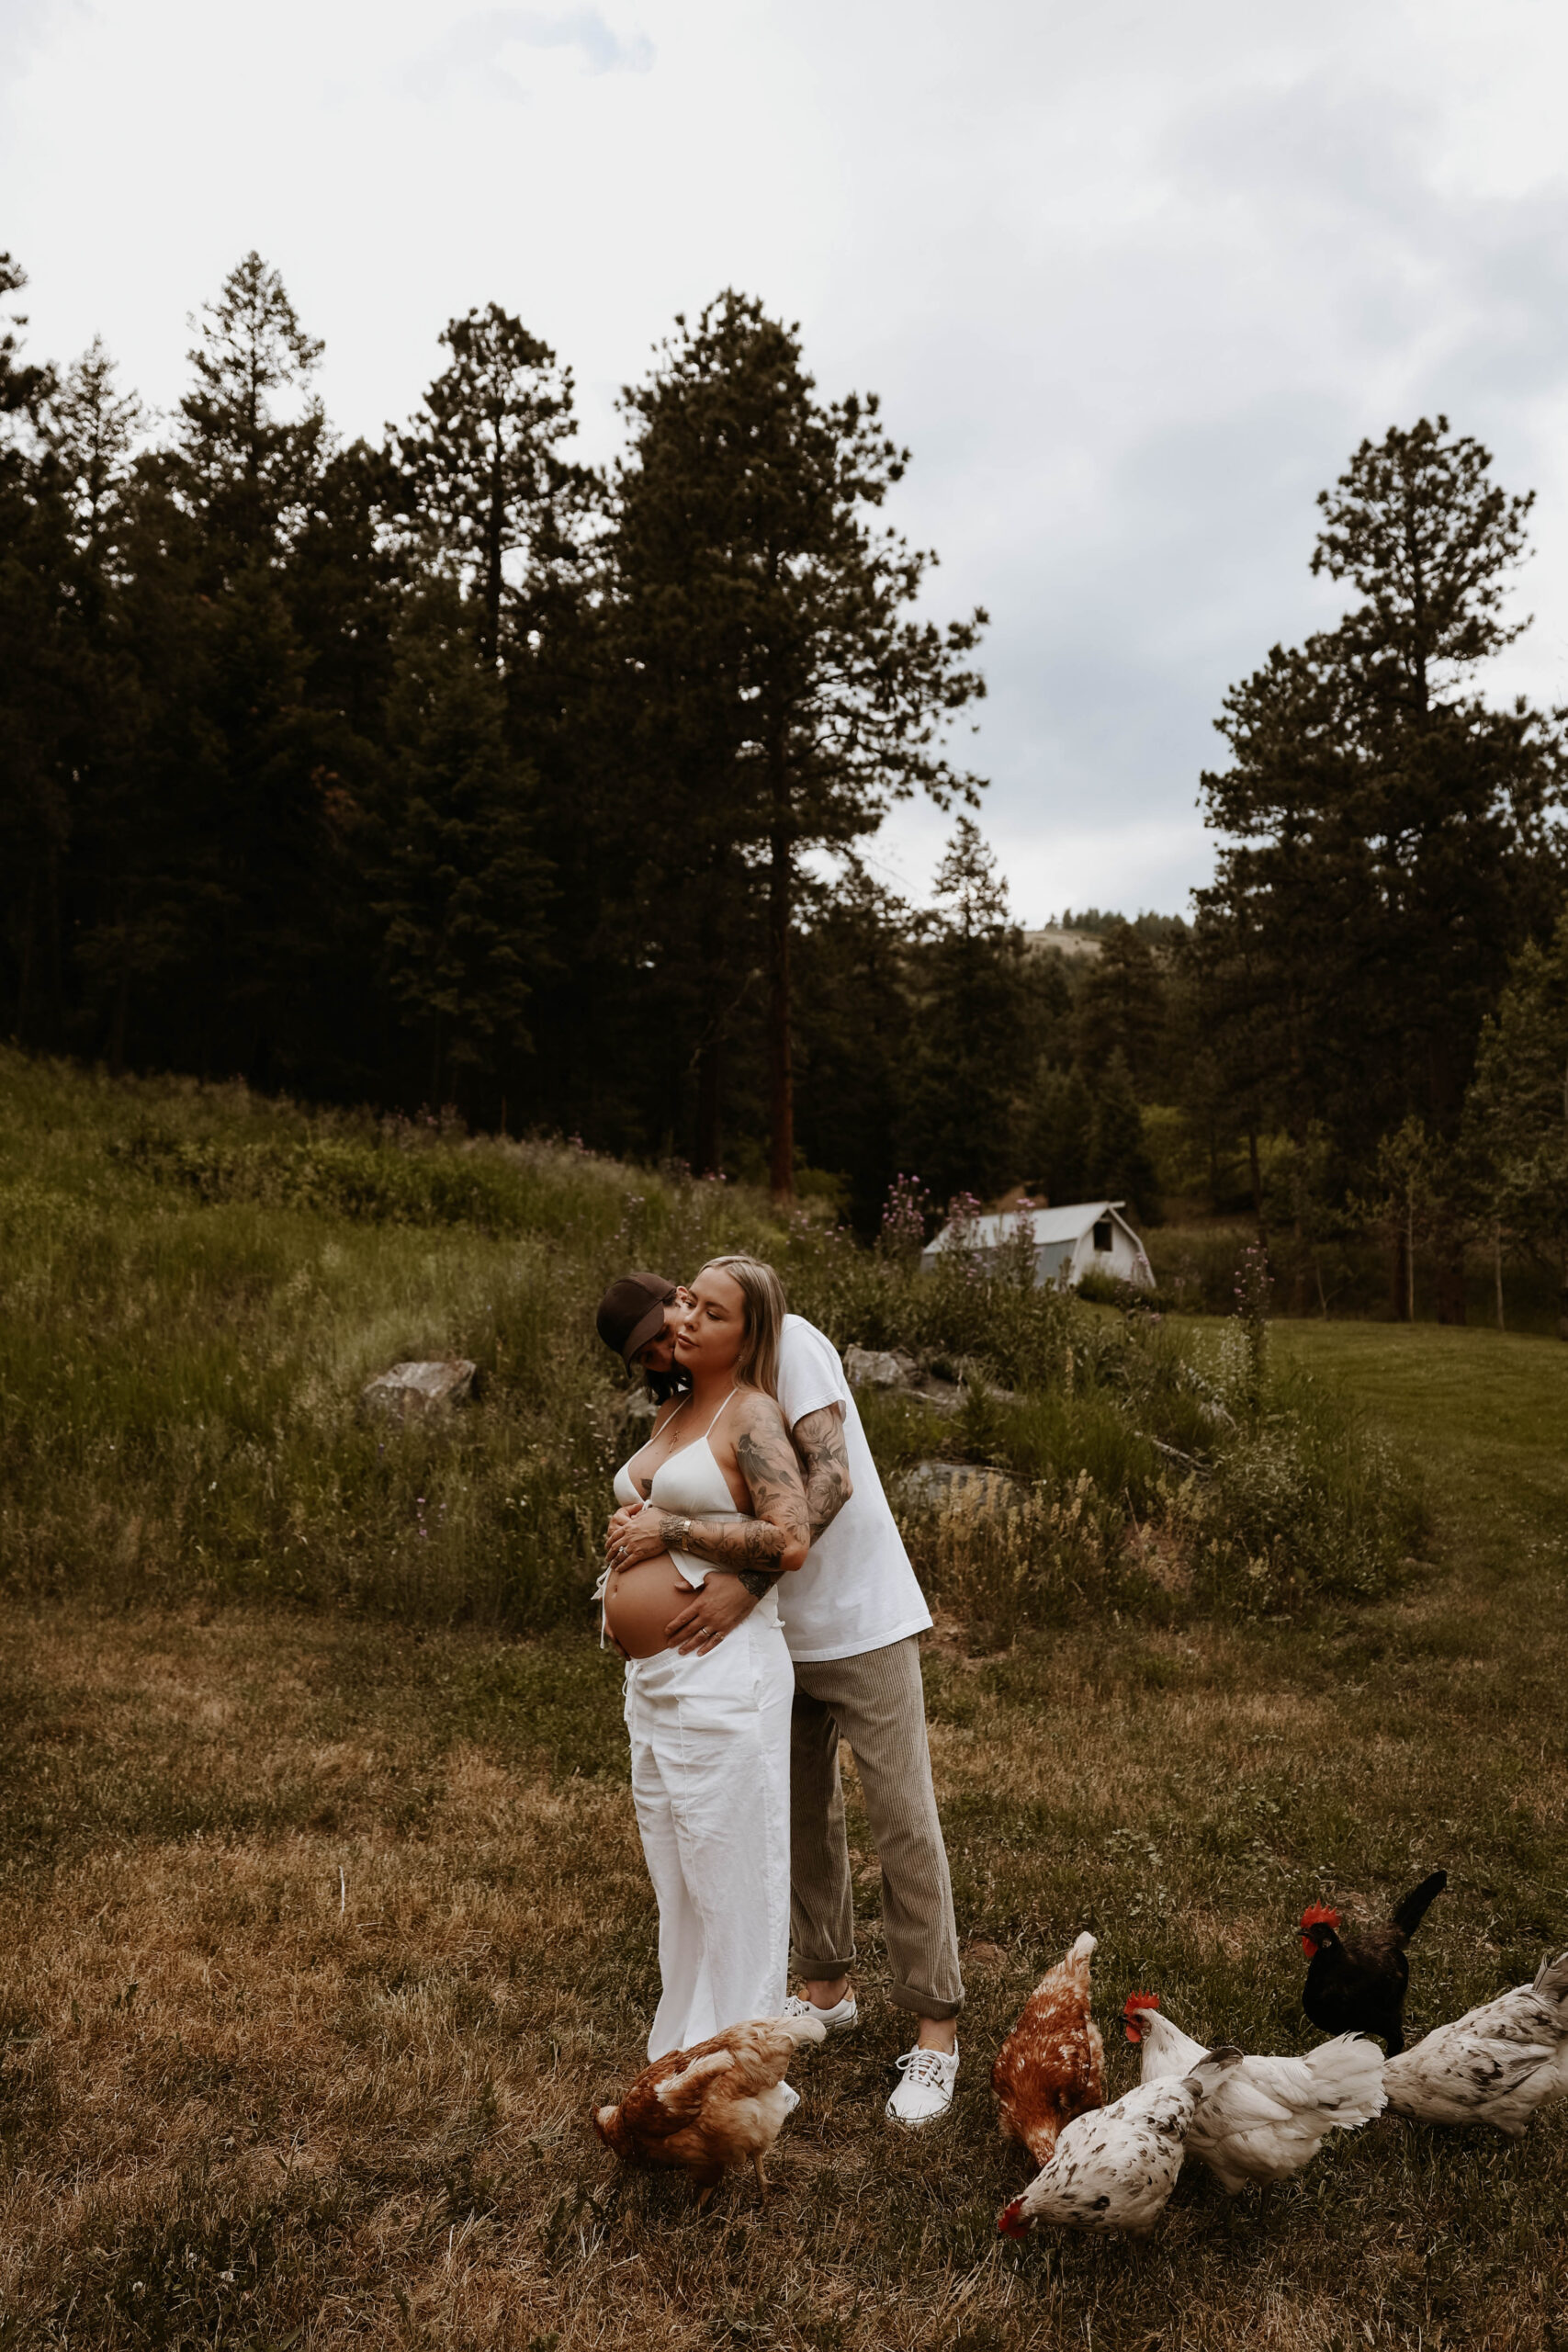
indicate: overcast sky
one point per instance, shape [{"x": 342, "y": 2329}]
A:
[{"x": 1133, "y": 281}]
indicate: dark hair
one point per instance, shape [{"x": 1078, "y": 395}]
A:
[{"x": 663, "y": 1386}]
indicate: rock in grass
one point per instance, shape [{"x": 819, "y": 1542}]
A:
[
  {"x": 411, "y": 1392},
  {"x": 944, "y": 1482},
  {"x": 877, "y": 1367}
]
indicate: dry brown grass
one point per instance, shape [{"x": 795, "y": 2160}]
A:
[{"x": 249, "y": 2103}]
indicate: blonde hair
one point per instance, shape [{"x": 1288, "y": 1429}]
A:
[{"x": 757, "y": 1365}]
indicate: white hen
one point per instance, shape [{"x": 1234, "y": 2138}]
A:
[
  {"x": 1266, "y": 2117},
  {"x": 1115, "y": 2168},
  {"x": 1496, "y": 2065}
]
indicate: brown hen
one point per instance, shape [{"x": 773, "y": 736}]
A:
[
  {"x": 1052, "y": 2065},
  {"x": 720, "y": 2104}
]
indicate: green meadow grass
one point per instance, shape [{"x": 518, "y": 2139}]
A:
[
  {"x": 247, "y": 2102},
  {"x": 323, "y": 1919},
  {"x": 195, "y": 1286}
]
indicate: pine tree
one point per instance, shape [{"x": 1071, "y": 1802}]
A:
[
  {"x": 1058, "y": 1135},
  {"x": 1517, "y": 1115},
  {"x": 779, "y": 696},
  {"x": 461, "y": 890},
  {"x": 855, "y": 1037},
  {"x": 1118, "y": 1163},
  {"x": 93, "y": 429},
  {"x": 22, "y": 389},
  {"x": 247, "y": 467},
  {"x": 484, "y": 480},
  {"x": 1389, "y": 838},
  {"x": 976, "y": 1031},
  {"x": 34, "y": 695},
  {"x": 1122, "y": 1003}
]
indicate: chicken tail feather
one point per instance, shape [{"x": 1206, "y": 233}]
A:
[
  {"x": 1552, "y": 1977},
  {"x": 801, "y": 2030},
  {"x": 1409, "y": 1913}
]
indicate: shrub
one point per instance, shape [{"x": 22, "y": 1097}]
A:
[
  {"x": 1098, "y": 1288},
  {"x": 1145, "y": 1468},
  {"x": 194, "y": 1285}
]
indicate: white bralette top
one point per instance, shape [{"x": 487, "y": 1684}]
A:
[{"x": 689, "y": 1482}]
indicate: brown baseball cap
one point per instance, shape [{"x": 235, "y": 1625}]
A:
[{"x": 632, "y": 1311}]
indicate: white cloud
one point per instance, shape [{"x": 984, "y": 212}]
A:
[
  {"x": 1133, "y": 281},
  {"x": 475, "y": 47}
]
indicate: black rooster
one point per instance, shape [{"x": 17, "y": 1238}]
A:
[{"x": 1357, "y": 1984}]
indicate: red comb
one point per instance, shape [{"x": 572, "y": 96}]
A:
[
  {"x": 1318, "y": 1915},
  {"x": 1137, "y": 2005},
  {"x": 1010, "y": 2222}
]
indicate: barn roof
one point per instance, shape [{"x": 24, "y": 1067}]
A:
[{"x": 1069, "y": 1224}]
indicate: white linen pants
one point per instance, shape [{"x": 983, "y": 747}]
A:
[{"x": 710, "y": 1777}]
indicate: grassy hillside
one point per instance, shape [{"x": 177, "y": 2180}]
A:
[
  {"x": 196, "y": 1284},
  {"x": 322, "y": 1927}
]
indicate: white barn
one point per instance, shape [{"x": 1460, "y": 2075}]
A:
[{"x": 1068, "y": 1242}]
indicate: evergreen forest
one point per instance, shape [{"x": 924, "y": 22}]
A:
[{"x": 450, "y": 776}]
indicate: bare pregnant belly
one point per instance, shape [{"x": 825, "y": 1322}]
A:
[{"x": 641, "y": 1602}]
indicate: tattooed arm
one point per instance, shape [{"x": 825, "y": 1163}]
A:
[
  {"x": 757, "y": 1550},
  {"x": 752, "y": 1549},
  {"x": 820, "y": 1442},
  {"x": 767, "y": 1547},
  {"x": 769, "y": 1463}
]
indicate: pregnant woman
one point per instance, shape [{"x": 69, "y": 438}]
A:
[{"x": 710, "y": 1725}]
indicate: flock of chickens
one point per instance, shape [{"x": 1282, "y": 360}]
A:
[{"x": 1248, "y": 2119}]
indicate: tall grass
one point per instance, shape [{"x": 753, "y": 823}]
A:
[{"x": 194, "y": 1285}]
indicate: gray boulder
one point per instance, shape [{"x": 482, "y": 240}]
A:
[
  {"x": 938, "y": 1483},
  {"x": 411, "y": 1392},
  {"x": 877, "y": 1367}
]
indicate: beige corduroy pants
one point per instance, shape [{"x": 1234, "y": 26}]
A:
[{"x": 877, "y": 1703}]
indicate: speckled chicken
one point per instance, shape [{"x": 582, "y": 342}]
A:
[
  {"x": 1052, "y": 2065},
  {"x": 1114, "y": 2168},
  {"x": 1268, "y": 2116},
  {"x": 720, "y": 2104},
  {"x": 1496, "y": 2065}
]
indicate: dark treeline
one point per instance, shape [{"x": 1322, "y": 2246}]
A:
[
  {"x": 449, "y": 770},
  {"x": 1387, "y": 911}
]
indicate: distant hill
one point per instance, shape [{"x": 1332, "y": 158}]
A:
[
  {"x": 1066, "y": 943},
  {"x": 1160, "y": 930},
  {"x": 1081, "y": 937}
]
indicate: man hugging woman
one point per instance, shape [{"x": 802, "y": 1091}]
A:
[{"x": 758, "y": 1587}]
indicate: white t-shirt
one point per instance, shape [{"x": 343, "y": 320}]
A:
[{"x": 857, "y": 1590}]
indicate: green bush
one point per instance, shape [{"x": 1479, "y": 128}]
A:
[
  {"x": 1099, "y": 1289},
  {"x": 195, "y": 1286}
]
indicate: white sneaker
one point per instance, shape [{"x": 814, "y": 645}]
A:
[
  {"x": 838, "y": 2020},
  {"x": 926, "y": 2091}
]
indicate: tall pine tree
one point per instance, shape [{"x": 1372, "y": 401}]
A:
[
  {"x": 484, "y": 479},
  {"x": 784, "y": 696},
  {"x": 1390, "y": 839},
  {"x": 461, "y": 890}
]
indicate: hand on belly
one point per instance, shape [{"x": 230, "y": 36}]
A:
[{"x": 639, "y": 1603}]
